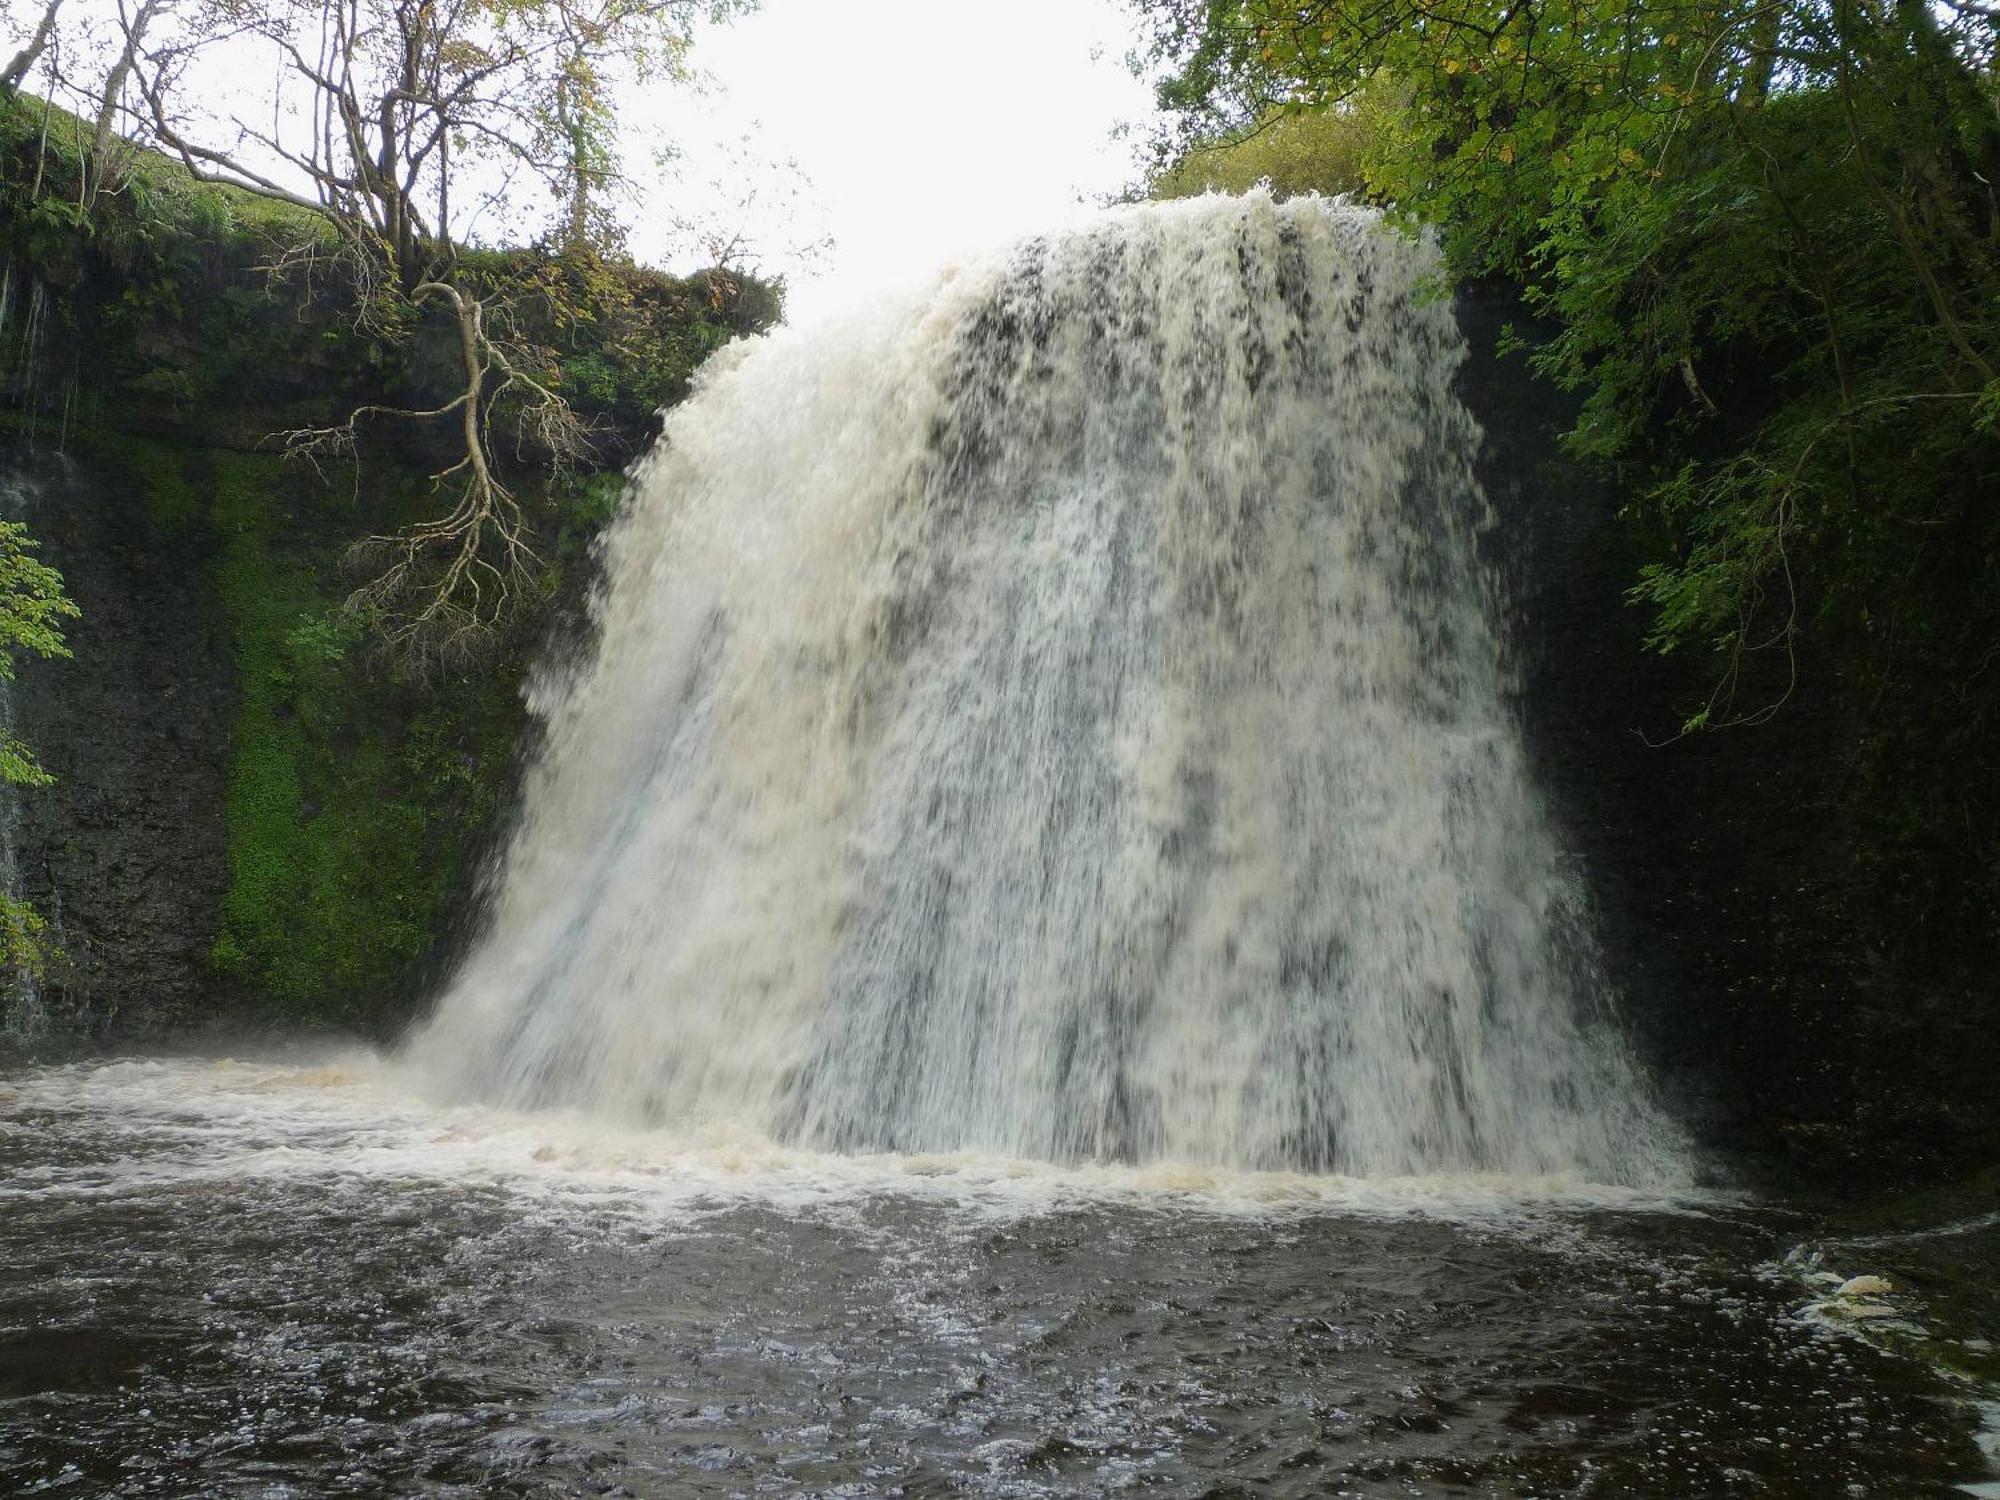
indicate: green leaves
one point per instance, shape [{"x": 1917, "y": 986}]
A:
[
  {"x": 24, "y": 946},
  {"x": 18, "y": 766},
  {"x": 1763, "y": 231},
  {"x": 32, "y": 601},
  {"x": 1766, "y": 234},
  {"x": 32, "y": 609},
  {"x": 1295, "y": 147},
  {"x": 1986, "y": 411}
]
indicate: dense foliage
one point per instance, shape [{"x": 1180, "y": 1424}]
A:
[
  {"x": 32, "y": 609},
  {"x": 168, "y": 351},
  {"x": 1768, "y": 236},
  {"x": 1289, "y": 151}
]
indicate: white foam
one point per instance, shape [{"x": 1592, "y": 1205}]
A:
[
  {"x": 173, "y": 1123},
  {"x": 1988, "y": 1439}
]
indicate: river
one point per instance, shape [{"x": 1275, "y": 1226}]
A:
[{"x": 295, "y": 1277}]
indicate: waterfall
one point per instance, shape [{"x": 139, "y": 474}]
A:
[
  {"x": 23, "y": 362},
  {"x": 1064, "y": 714}
]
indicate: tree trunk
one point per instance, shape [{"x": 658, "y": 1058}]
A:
[
  {"x": 24, "y": 60},
  {"x": 1763, "y": 60},
  {"x": 570, "y": 120},
  {"x": 114, "y": 92}
]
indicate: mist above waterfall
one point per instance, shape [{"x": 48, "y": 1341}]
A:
[{"x": 1063, "y": 714}]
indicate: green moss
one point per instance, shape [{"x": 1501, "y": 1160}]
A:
[
  {"x": 268, "y": 839},
  {"x": 354, "y": 801},
  {"x": 172, "y": 504}
]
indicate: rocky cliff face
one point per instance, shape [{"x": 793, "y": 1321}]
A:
[
  {"x": 1727, "y": 867},
  {"x": 126, "y": 854},
  {"x": 255, "y": 818}
]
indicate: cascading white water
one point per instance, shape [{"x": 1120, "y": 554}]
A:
[
  {"x": 23, "y": 361},
  {"x": 1063, "y": 715}
]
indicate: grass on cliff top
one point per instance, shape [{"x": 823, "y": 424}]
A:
[
  {"x": 175, "y": 279},
  {"x": 153, "y": 186}
]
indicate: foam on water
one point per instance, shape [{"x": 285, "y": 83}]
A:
[
  {"x": 230, "y": 1275},
  {"x": 1063, "y": 715},
  {"x": 1989, "y": 1445},
  {"x": 174, "y": 1123}
]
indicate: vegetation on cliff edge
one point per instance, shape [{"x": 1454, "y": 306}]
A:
[{"x": 173, "y": 339}]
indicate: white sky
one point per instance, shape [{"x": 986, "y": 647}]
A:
[
  {"x": 920, "y": 128},
  {"x": 849, "y": 143}
]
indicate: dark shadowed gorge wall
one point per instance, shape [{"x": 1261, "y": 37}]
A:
[
  {"x": 255, "y": 817},
  {"x": 1801, "y": 1022}
]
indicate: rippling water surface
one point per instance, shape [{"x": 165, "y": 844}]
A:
[{"x": 222, "y": 1277}]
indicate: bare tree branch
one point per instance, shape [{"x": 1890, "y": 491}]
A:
[
  {"x": 24, "y": 61},
  {"x": 400, "y": 95},
  {"x": 443, "y": 588}
]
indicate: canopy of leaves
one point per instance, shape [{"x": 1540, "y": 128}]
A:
[
  {"x": 1292, "y": 151},
  {"x": 1785, "y": 202},
  {"x": 1768, "y": 234},
  {"x": 32, "y": 609}
]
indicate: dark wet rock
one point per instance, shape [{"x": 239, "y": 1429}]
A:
[{"x": 126, "y": 853}]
